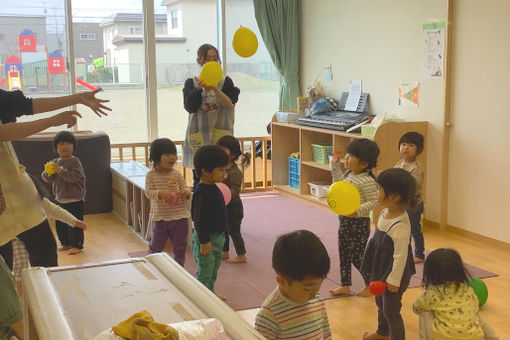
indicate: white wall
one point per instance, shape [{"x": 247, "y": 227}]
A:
[
  {"x": 379, "y": 42},
  {"x": 479, "y": 180}
]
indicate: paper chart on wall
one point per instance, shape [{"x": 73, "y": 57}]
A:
[
  {"x": 408, "y": 93},
  {"x": 433, "y": 50}
]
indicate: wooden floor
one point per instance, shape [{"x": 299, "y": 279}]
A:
[{"x": 107, "y": 238}]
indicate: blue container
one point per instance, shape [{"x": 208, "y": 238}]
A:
[{"x": 294, "y": 172}]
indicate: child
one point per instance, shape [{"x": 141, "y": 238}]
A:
[
  {"x": 167, "y": 190},
  {"x": 69, "y": 188},
  {"x": 410, "y": 146},
  {"x": 209, "y": 214},
  {"x": 448, "y": 308},
  {"x": 294, "y": 309},
  {"x": 11, "y": 313},
  {"x": 16, "y": 218},
  {"x": 53, "y": 211},
  {"x": 211, "y": 110},
  {"x": 388, "y": 256},
  {"x": 234, "y": 180},
  {"x": 353, "y": 230}
]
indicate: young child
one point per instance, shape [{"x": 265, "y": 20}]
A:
[
  {"x": 209, "y": 214},
  {"x": 294, "y": 310},
  {"x": 11, "y": 313},
  {"x": 410, "y": 146},
  {"x": 167, "y": 190},
  {"x": 448, "y": 308},
  {"x": 211, "y": 109},
  {"x": 53, "y": 211},
  {"x": 234, "y": 180},
  {"x": 68, "y": 183},
  {"x": 388, "y": 256},
  {"x": 353, "y": 231}
]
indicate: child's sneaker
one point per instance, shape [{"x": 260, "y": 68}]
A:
[
  {"x": 62, "y": 248},
  {"x": 74, "y": 251}
]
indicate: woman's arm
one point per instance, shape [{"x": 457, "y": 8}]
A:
[
  {"x": 192, "y": 96},
  {"x": 13, "y": 131},
  {"x": 230, "y": 90},
  {"x": 88, "y": 98}
]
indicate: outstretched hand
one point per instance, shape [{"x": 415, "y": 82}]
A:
[
  {"x": 66, "y": 117},
  {"x": 89, "y": 99}
]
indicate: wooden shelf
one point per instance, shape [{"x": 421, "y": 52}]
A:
[
  {"x": 316, "y": 165},
  {"x": 288, "y": 138}
]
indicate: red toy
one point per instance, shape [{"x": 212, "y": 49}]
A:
[
  {"x": 377, "y": 287},
  {"x": 172, "y": 199}
]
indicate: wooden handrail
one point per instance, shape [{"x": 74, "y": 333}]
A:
[{"x": 258, "y": 181}]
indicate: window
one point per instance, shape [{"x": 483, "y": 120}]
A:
[
  {"x": 47, "y": 31},
  {"x": 174, "y": 15},
  {"x": 256, "y": 76},
  {"x": 56, "y": 62},
  {"x": 88, "y": 36},
  {"x": 135, "y": 30}
]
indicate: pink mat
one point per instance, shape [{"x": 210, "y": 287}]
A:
[{"x": 265, "y": 217}]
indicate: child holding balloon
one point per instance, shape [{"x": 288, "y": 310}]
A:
[
  {"x": 388, "y": 256},
  {"x": 353, "y": 231},
  {"x": 167, "y": 190},
  {"x": 449, "y": 308},
  {"x": 209, "y": 214},
  {"x": 234, "y": 180},
  {"x": 210, "y": 107}
]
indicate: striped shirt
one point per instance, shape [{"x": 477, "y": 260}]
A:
[
  {"x": 366, "y": 185},
  {"x": 415, "y": 169},
  {"x": 173, "y": 181},
  {"x": 280, "y": 318}
]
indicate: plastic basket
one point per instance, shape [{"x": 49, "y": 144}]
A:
[
  {"x": 368, "y": 130},
  {"x": 294, "y": 172},
  {"x": 319, "y": 189},
  {"x": 321, "y": 153}
]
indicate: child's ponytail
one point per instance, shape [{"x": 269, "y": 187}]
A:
[{"x": 246, "y": 160}]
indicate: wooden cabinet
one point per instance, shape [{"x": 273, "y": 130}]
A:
[{"x": 288, "y": 138}]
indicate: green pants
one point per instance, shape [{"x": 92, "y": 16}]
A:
[{"x": 208, "y": 265}]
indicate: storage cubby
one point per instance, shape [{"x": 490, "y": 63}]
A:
[{"x": 288, "y": 138}]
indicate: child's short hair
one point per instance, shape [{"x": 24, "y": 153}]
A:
[
  {"x": 208, "y": 158},
  {"x": 299, "y": 254},
  {"x": 64, "y": 136},
  {"x": 413, "y": 138},
  {"x": 160, "y": 147},
  {"x": 365, "y": 150},
  {"x": 401, "y": 182},
  {"x": 444, "y": 265},
  {"x": 232, "y": 144}
]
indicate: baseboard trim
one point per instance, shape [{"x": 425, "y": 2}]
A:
[{"x": 466, "y": 233}]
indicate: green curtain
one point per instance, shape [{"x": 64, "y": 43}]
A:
[{"x": 279, "y": 23}]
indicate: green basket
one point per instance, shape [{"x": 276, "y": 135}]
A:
[{"x": 321, "y": 153}]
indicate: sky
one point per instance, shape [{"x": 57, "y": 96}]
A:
[{"x": 83, "y": 10}]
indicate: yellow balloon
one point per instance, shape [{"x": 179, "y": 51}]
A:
[
  {"x": 343, "y": 198},
  {"x": 50, "y": 168},
  {"x": 211, "y": 73},
  {"x": 245, "y": 42}
]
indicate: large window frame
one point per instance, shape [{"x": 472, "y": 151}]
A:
[{"x": 149, "y": 43}]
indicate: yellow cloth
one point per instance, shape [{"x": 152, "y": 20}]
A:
[{"x": 141, "y": 326}]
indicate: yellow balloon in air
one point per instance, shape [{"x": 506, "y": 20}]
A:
[
  {"x": 343, "y": 198},
  {"x": 245, "y": 42},
  {"x": 211, "y": 73}
]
